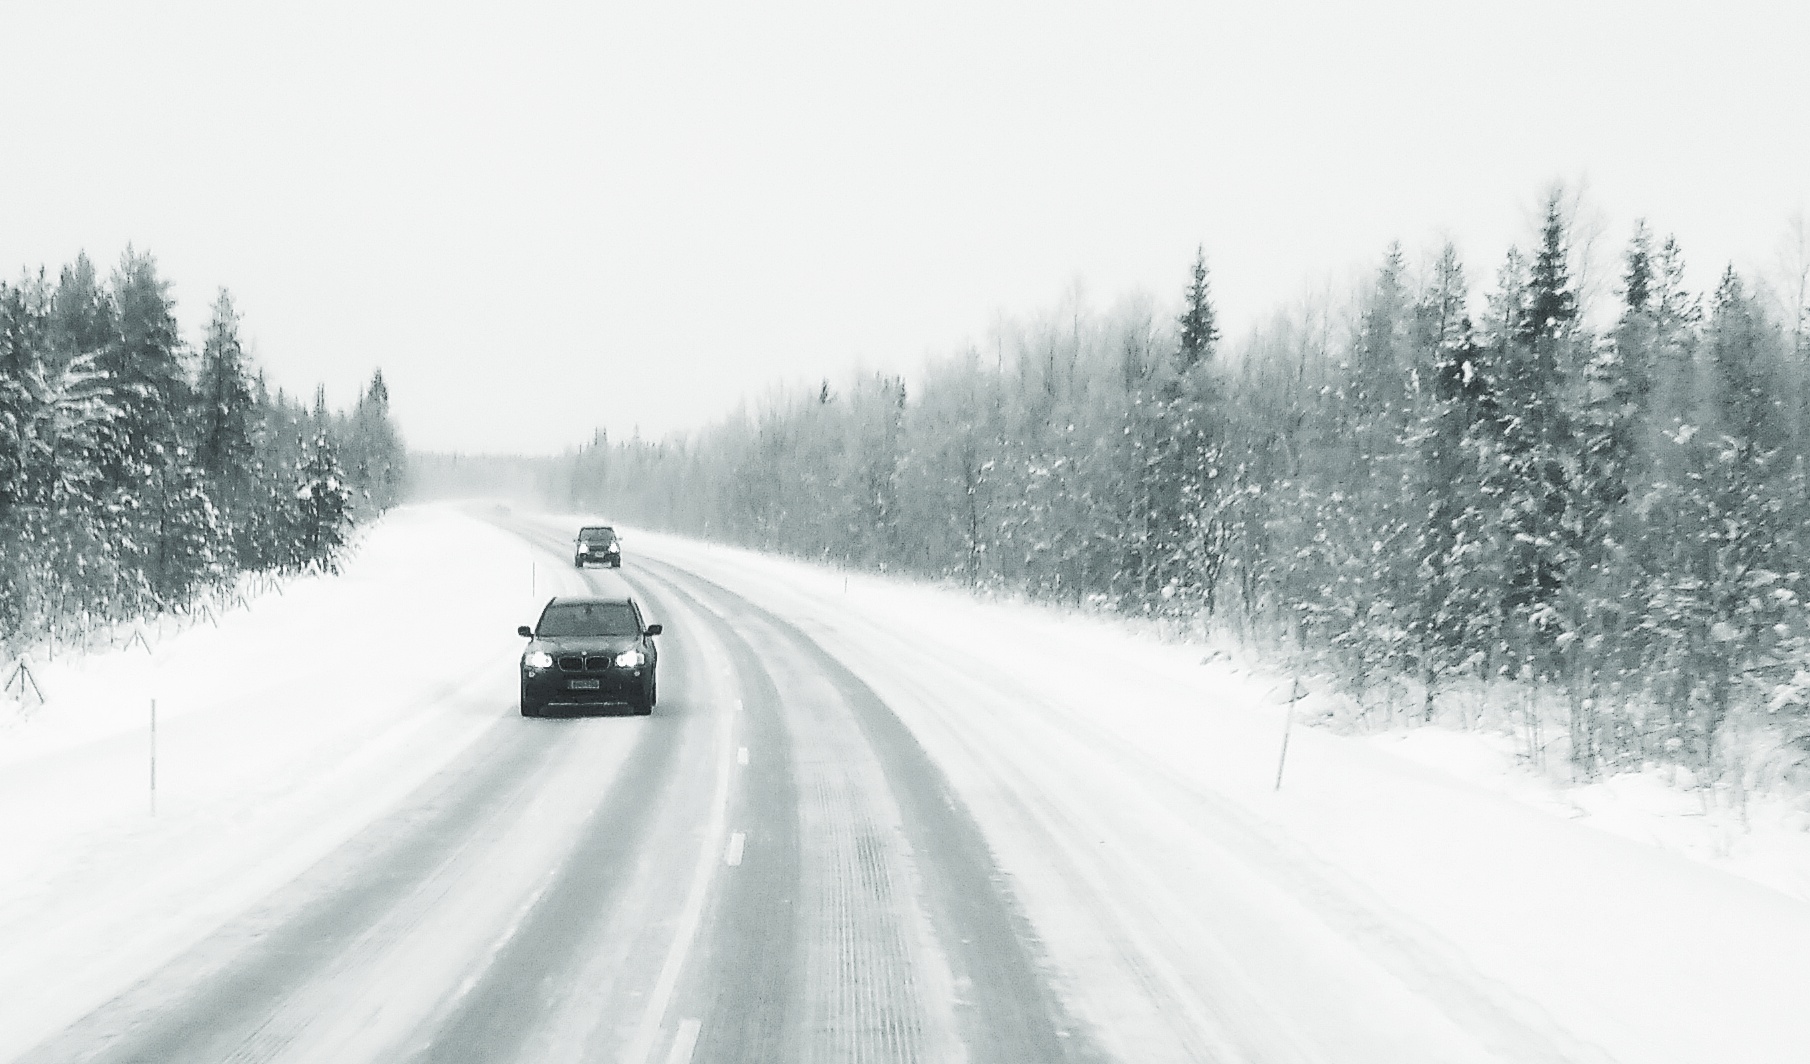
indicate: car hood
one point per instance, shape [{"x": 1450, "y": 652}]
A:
[{"x": 586, "y": 644}]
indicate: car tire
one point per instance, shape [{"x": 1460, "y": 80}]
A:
[
  {"x": 578, "y": 563},
  {"x": 531, "y": 707},
  {"x": 644, "y": 702},
  {"x": 617, "y": 564}
]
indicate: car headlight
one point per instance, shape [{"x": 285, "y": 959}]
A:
[
  {"x": 631, "y": 659},
  {"x": 540, "y": 659}
]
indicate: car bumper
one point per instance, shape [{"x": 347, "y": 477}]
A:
[
  {"x": 553, "y": 686},
  {"x": 599, "y": 559}
]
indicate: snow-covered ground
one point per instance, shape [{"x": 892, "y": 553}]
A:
[
  {"x": 1120, "y": 780},
  {"x": 1612, "y": 921},
  {"x": 293, "y": 723}
]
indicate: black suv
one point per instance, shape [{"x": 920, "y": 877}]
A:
[
  {"x": 598, "y": 543},
  {"x": 588, "y": 651}
]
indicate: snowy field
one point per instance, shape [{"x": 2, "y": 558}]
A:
[{"x": 1419, "y": 886}]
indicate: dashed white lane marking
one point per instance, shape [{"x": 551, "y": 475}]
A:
[
  {"x": 685, "y": 1042},
  {"x": 741, "y": 755},
  {"x": 733, "y": 855},
  {"x": 641, "y": 1050}
]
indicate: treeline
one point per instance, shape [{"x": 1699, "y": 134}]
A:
[
  {"x": 1434, "y": 492},
  {"x": 137, "y": 470}
]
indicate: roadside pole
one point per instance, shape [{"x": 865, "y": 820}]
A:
[{"x": 1294, "y": 695}]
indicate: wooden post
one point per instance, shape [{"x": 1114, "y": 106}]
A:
[{"x": 1294, "y": 695}]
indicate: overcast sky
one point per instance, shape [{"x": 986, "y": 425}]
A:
[{"x": 540, "y": 219}]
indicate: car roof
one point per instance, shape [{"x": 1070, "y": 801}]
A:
[
  {"x": 595, "y": 528},
  {"x": 590, "y": 600}
]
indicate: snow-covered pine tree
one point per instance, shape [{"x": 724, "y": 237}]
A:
[
  {"x": 1182, "y": 493},
  {"x": 1528, "y": 449},
  {"x": 1603, "y": 600},
  {"x": 322, "y": 504},
  {"x": 225, "y": 427},
  {"x": 225, "y": 406},
  {"x": 1454, "y": 619},
  {"x": 147, "y": 473},
  {"x": 1723, "y": 595},
  {"x": 374, "y": 448}
]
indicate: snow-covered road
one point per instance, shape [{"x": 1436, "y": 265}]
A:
[{"x": 868, "y": 821}]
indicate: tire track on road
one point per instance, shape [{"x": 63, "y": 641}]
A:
[
  {"x": 213, "y": 1001},
  {"x": 1010, "y": 1012},
  {"x": 744, "y": 979}
]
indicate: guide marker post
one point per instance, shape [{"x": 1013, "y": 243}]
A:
[{"x": 1294, "y": 695}]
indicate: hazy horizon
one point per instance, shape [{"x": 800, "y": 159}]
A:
[{"x": 547, "y": 220}]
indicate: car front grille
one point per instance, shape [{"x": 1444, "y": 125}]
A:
[{"x": 586, "y": 663}]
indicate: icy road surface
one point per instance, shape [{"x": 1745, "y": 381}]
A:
[{"x": 867, "y": 822}]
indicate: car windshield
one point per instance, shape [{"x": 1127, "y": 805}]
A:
[
  {"x": 597, "y": 535},
  {"x": 588, "y": 619}
]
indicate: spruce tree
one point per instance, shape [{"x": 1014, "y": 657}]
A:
[
  {"x": 224, "y": 406},
  {"x": 322, "y": 504},
  {"x": 1181, "y": 501},
  {"x": 374, "y": 448},
  {"x": 145, "y": 363},
  {"x": 1199, "y": 325},
  {"x": 1453, "y": 616}
]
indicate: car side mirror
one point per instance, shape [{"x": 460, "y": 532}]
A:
[
  {"x": 655, "y": 629},
  {"x": 525, "y": 632}
]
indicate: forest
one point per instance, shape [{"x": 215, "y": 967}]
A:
[
  {"x": 138, "y": 471},
  {"x": 1582, "y": 523}
]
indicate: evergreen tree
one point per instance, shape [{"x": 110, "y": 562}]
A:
[
  {"x": 1183, "y": 550},
  {"x": 1454, "y": 620},
  {"x": 374, "y": 447},
  {"x": 322, "y": 504},
  {"x": 145, "y": 365},
  {"x": 82, "y": 315},
  {"x": 1527, "y": 451},
  {"x": 225, "y": 409},
  {"x": 1199, "y": 325}
]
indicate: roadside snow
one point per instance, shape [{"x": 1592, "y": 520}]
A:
[
  {"x": 280, "y": 733},
  {"x": 1767, "y": 841},
  {"x": 1411, "y": 896}
]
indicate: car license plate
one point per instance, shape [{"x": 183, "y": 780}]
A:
[{"x": 585, "y": 685}]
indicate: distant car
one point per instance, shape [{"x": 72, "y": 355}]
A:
[
  {"x": 597, "y": 543},
  {"x": 589, "y": 651}
]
